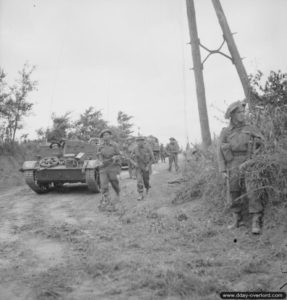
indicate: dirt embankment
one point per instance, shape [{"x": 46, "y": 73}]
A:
[
  {"x": 9, "y": 171},
  {"x": 60, "y": 246},
  {"x": 11, "y": 163}
]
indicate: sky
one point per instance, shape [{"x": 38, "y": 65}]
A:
[{"x": 133, "y": 56}]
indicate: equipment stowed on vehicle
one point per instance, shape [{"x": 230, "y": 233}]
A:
[
  {"x": 153, "y": 142},
  {"x": 73, "y": 161}
]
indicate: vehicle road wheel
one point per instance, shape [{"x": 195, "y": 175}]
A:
[
  {"x": 59, "y": 186},
  {"x": 93, "y": 180},
  {"x": 31, "y": 181}
]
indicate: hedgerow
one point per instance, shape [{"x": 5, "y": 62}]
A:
[{"x": 266, "y": 171}]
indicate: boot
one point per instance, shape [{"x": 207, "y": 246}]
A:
[
  {"x": 256, "y": 223},
  {"x": 117, "y": 198},
  {"x": 105, "y": 202},
  {"x": 110, "y": 207},
  {"x": 141, "y": 196},
  {"x": 237, "y": 221}
]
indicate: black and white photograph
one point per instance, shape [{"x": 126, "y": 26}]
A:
[{"x": 143, "y": 149}]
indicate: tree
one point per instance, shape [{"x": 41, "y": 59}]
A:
[
  {"x": 24, "y": 137},
  {"x": 273, "y": 92},
  {"x": 124, "y": 125},
  {"x": 4, "y": 94},
  {"x": 61, "y": 126},
  {"x": 269, "y": 104},
  {"x": 90, "y": 124},
  {"x": 14, "y": 105},
  {"x": 41, "y": 133}
]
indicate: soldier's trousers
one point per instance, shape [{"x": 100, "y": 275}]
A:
[
  {"x": 173, "y": 159},
  {"x": 131, "y": 170},
  {"x": 240, "y": 191},
  {"x": 109, "y": 175},
  {"x": 142, "y": 179}
]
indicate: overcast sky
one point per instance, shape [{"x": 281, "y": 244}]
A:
[{"x": 132, "y": 55}]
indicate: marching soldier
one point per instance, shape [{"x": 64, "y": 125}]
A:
[
  {"x": 131, "y": 146},
  {"x": 143, "y": 158},
  {"x": 236, "y": 144},
  {"x": 109, "y": 154},
  {"x": 172, "y": 150},
  {"x": 162, "y": 153}
]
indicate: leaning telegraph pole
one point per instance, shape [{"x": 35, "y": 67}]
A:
[
  {"x": 228, "y": 37},
  {"x": 198, "y": 74}
]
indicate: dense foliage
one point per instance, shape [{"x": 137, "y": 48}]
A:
[
  {"x": 14, "y": 104},
  {"x": 267, "y": 169}
]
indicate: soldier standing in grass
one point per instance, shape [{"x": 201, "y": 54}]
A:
[
  {"x": 172, "y": 150},
  {"x": 143, "y": 158},
  {"x": 109, "y": 154},
  {"x": 236, "y": 144}
]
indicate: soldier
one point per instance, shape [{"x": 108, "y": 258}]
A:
[
  {"x": 131, "y": 146},
  {"x": 236, "y": 144},
  {"x": 143, "y": 158},
  {"x": 172, "y": 150},
  {"x": 162, "y": 153},
  {"x": 109, "y": 154}
]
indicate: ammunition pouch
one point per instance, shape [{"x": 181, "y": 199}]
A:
[{"x": 227, "y": 152}]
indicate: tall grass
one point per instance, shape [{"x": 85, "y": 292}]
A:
[
  {"x": 202, "y": 179},
  {"x": 265, "y": 172}
]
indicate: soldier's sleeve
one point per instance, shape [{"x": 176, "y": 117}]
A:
[
  {"x": 151, "y": 155},
  {"x": 99, "y": 153},
  {"x": 255, "y": 132},
  {"x": 116, "y": 148},
  {"x": 132, "y": 153},
  {"x": 167, "y": 149},
  {"x": 259, "y": 139},
  {"x": 220, "y": 157}
]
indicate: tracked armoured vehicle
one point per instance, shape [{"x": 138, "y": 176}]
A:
[
  {"x": 153, "y": 142},
  {"x": 71, "y": 161}
]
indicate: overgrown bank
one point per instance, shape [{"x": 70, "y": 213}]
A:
[
  {"x": 11, "y": 160},
  {"x": 266, "y": 170}
]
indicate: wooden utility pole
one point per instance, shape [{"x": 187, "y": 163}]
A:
[
  {"x": 197, "y": 67},
  {"x": 232, "y": 47}
]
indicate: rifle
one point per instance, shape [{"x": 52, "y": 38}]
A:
[
  {"x": 228, "y": 198},
  {"x": 134, "y": 163},
  {"x": 105, "y": 162},
  {"x": 130, "y": 160}
]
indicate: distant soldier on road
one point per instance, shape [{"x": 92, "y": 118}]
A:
[
  {"x": 131, "y": 146},
  {"x": 109, "y": 154},
  {"x": 162, "y": 153},
  {"x": 172, "y": 150},
  {"x": 143, "y": 158},
  {"x": 236, "y": 145}
]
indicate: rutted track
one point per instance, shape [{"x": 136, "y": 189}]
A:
[{"x": 60, "y": 246}]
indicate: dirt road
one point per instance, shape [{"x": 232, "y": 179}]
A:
[{"x": 59, "y": 246}]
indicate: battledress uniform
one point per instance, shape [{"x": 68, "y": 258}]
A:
[
  {"x": 162, "y": 153},
  {"x": 143, "y": 156},
  {"x": 132, "y": 171},
  {"x": 235, "y": 146},
  {"x": 109, "y": 154},
  {"x": 172, "y": 150}
]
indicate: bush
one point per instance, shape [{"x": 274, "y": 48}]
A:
[
  {"x": 202, "y": 179},
  {"x": 266, "y": 171}
]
